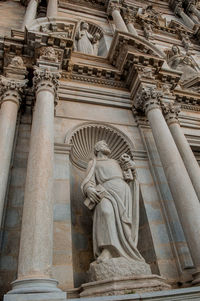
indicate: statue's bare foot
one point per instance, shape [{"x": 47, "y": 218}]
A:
[{"x": 105, "y": 254}]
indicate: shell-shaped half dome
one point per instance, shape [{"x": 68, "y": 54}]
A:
[{"x": 85, "y": 137}]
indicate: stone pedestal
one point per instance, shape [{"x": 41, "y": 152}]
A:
[
  {"x": 117, "y": 267},
  {"x": 118, "y": 276},
  {"x": 124, "y": 285}
]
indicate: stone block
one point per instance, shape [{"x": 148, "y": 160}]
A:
[
  {"x": 61, "y": 167},
  {"x": 8, "y": 263},
  {"x": 62, "y": 212},
  {"x": 12, "y": 218},
  {"x": 61, "y": 191}
]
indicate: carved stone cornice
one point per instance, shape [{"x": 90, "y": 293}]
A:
[
  {"x": 47, "y": 80},
  {"x": 171, "y": 113},
  {"x": 147, "y": 99},
  {"x": 11, "y": 89}
]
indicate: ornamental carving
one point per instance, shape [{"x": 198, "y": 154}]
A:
[
  {"x": 49, "y": 54},
  {"x": 147, "y": 98},
  {"x": 85, "y": 137},
  {"x": 182, "y": 62},
  {"x": 11, "y": 88},
  {"x": 46, "y": 79},
  {"x": 171, "y": 112}
]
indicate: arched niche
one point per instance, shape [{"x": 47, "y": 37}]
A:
[
  {"x": 93, "y": 30},
  {"x": 82, "y": 139}
]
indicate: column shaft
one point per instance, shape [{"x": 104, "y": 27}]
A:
[
  {"x": 188, "y": 22},
  {"x": 30, "y": 14},
  {"x": 52, "y": 8},
  {"x": 195, "y": 11},
  {"x": 35, "y": 255},
  {"x": 118, "y": 20},
  {"x": 131, "y": 29},
  {"x": 185, "y": 198},
  {"x": 8, "y": 118},
  {"x": 187, "y": 155},
  {"x": 36, "y": 236}
]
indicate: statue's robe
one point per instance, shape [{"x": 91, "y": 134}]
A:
[
  {"x": 84, "y": 43},
  {"x": 115, "y": 220}
]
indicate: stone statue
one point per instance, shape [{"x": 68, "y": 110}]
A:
[
  {"x": 84, "y": 40},
  {"x": 108, "y": 194},
  {"x": 182, "y": 62},
  {"x": 87, "y": 43}
]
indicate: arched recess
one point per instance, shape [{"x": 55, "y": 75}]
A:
[
  {"x": 93, "y": 30},
  {"x": 82, "y": 138}
]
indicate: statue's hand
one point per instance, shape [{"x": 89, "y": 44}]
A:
[
  {"x": 93, "y": 195},
  {"x": 129, "y": 165}
]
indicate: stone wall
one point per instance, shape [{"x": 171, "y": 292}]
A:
[{"x": 12, "y": 13}]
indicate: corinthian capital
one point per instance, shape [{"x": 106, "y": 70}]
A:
[
  {"x": 113, "y": 5},
  {"x": 147, "y": 99},
  {"x": 45, "y": 79},
  {"x": 11, "y": 89},
  {"x": 171, "y": 112}
]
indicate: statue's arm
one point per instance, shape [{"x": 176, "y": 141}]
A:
[{"x": 89, "y": 184}]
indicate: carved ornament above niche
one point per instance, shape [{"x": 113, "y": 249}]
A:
[{"x": 84, "y": 138}]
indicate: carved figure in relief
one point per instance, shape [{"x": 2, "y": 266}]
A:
[
  {"x": 116, "y": 211},
  {"x": 182, "y": 62},
  {"x": 84, "y": 40}
]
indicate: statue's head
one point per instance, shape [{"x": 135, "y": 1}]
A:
[
  {"x": 101, "y": 146},
  {"x": 175, "y": 49},
  {"x": 85, "y": 26}
]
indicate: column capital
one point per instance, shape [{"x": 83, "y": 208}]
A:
[
  {"x": 11, "y": 89},
  {"x": 113, "y": 6},
  {"x": 171, "y": 113},
  {"x": 147, "y": 98},
  {"x": 45, "y": 79}
]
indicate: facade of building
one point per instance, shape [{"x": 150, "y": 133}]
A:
[{"x": 74, "y": 73}]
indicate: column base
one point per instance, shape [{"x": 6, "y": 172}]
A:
[
  {"x": 196, "y": 278},
  {"x": 34, "y": 286},
  {"x": 36, "y": 297}
]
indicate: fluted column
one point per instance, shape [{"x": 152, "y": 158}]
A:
[
  {"x": 52, "y": 8},
  {"x": 9, "y": 105},
  {"x": 185, "y": 198},
  {"x": 191, "y": 164},
  {"x": 31, "y": 12},
  {"x": 35, "y": 256},
  {"x": 114, "y": 10}
]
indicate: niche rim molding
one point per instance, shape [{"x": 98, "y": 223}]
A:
[{"x": 83, "y": 138}]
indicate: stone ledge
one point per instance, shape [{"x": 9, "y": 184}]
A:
[
  {"x": 125, "y": 285},
  {"x": 36, "y": 297},
  {"x": 192, "y": 293}
]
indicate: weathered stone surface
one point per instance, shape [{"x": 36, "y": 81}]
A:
[
  {"x": 117, "y": 267},
  {"x": 125, "y": 285}
]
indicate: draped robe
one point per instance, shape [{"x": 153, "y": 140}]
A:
[{"x": 116, "y": 216}]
